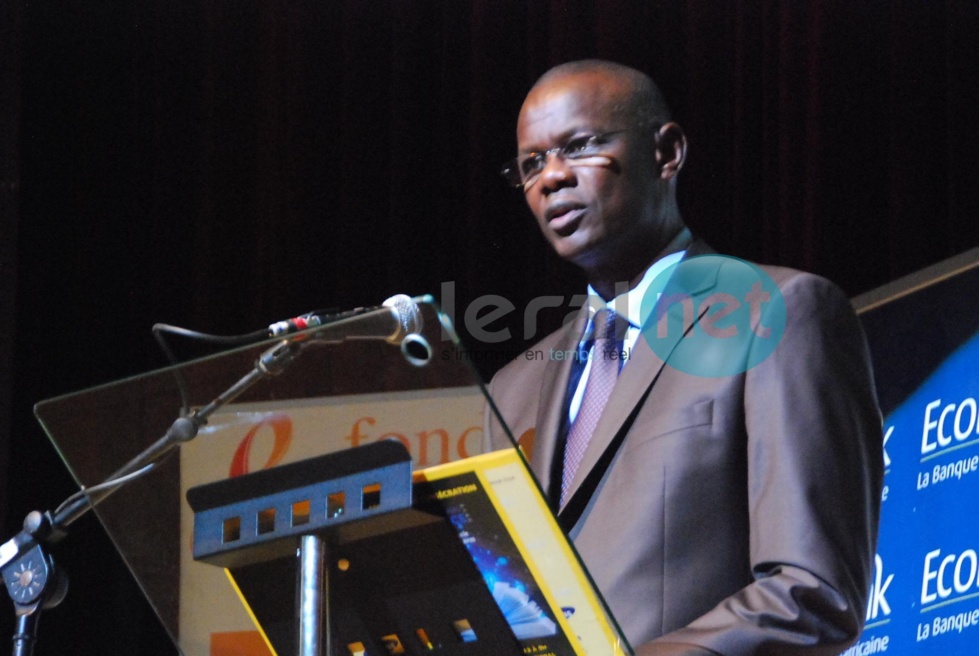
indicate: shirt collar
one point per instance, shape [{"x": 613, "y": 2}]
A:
[{"x": 629, "y": 303}]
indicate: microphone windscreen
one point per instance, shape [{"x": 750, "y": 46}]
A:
[{"x": 407, "y": 311}]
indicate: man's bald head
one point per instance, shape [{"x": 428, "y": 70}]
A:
[{"x": 642, "y": 102}]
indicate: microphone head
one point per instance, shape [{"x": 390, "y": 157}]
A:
[{"x": 407, "y": 312}]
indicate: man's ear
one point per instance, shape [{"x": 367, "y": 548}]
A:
[{"x": 671, "y": 150}]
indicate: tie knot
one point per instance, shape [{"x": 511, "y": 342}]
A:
[
  {"x": 608, "y": 333},
  {"x": 609, "y": 326}
]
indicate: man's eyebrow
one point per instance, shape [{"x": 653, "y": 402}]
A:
[{"x": 560, "y": 139}]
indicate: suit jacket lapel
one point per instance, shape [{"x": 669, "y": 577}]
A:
[
  {"x": 640, "y": 372},
  {"x": 550, "y": 411}
]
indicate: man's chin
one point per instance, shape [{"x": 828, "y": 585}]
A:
[
  {"x": 581, "y": 254},
  {"x": 571, "y": 249}
]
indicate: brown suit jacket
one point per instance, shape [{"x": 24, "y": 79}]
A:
[{"x": 739, "y": 515}]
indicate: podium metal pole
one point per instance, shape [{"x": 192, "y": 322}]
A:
[{"x": 314, "y": 600}]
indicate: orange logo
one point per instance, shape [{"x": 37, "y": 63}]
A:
[{"x": 281, "y": 430}]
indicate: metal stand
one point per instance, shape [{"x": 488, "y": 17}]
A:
[
  {"x": 26, "y": 634},
  {"x": 314, "y": 598}
]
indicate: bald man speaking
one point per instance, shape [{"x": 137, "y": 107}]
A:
[{"x": 713, "y": 447}]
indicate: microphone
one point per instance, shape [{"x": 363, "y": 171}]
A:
[{"x": 394, "y": 319}]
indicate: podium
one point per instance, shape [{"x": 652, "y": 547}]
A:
[{"x": 267, "y": 481}]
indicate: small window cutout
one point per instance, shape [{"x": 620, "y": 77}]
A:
[
  {"x": 357, "y": 649},
  {"x": 464, "y": 630},
  {"x": 393, "y": 644},
  {"x": 300, "y": 513},
  {"x": 266, "y": 521},
  {"x": 371, "y": 496},
  {"x": 336, "y": 503},
  {"x": 232, "y": 530}
]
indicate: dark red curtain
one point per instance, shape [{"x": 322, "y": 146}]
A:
[{"x": 222, "y": 164}]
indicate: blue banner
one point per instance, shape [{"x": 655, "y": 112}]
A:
[{"x": 925, "y": 589}]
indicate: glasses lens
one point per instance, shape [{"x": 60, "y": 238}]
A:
[
  {"x": 581, "y": 147},
  {"x": 511, "y": 173},
  {"x": 532, "y": 164}
]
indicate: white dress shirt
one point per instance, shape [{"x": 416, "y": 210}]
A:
[{"x": 628, "y": 305}]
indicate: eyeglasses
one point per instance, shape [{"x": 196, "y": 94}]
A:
[{"x": 523, "y": 170}]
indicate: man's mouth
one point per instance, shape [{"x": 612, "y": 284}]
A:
[{"x": 563, "y": 217}]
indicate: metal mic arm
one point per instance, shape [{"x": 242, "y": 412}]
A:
[{"x": 29, "y": 573}]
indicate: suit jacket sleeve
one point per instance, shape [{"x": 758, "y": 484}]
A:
[{"x": 814, "y": 476}]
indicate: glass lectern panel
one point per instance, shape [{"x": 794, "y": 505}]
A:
[{"x": 286, "y": 400}]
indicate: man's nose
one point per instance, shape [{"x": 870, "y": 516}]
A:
[{"x": 557, "y": 173}]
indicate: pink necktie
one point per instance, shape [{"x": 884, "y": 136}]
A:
[{"x": 601, "y": 378}]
